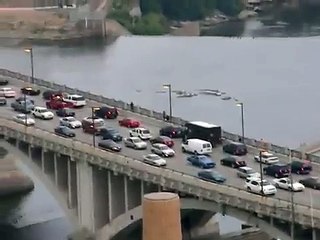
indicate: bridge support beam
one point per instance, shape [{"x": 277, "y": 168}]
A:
[
  {"x": 117, "y": 194},
  {"x": 47, "y": 163},
  {"x": 315, "y": 234},
  {"x": 85, "y": 194},
  {"x": 133, "y": 191},
  {"x": 72, "y": 184},
  {"x": 61, "y": 172}
]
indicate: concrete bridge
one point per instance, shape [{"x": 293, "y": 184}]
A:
[{"x": 103, "y": 190}]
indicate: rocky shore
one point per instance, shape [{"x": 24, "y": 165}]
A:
[{"x": 12, "y": 180}]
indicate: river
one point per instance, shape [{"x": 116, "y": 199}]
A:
[{"x": 275, "y": 78}]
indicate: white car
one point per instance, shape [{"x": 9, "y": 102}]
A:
[
  {"x": 24, "y": 119},
  {"x": 135, "y": 142},
  {"x": 43, "y": 113},
  {"x": 162, "y": 150},
  {"x": 7, "y": 92},
  {"x": 155, "y": 160},
  {"x": 285, "y": 183},
  {"x": 255, "y": 185},
  {"x": 76, "y": 100},
  {"x": 267, "y": 158},
  {"x": 247, "y": 172},
  {"x": 70, "y": 122},
  {"x": 142, "y": 133}
]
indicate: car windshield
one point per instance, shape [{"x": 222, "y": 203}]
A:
[
  {"x": 136, "y": 140},
  {"x": 145, "y": 131},
  {"x": 154, "y": 157},
  {"x": 78, "y": 98},
  {"x": 202, "y": 157},
  {"x": 43, "y": 110}
]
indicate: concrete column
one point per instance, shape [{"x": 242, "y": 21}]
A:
[
  {"x": 109, "y": 196},
  {"x": 161, "y": 216},
  {"x": 55, "y": 165},
  {"x": 126, "y": 204},
  {"x": 43, "y": 159},
  {"x": 85, "y": 194},
  {"x": 29, "y": 151},
  {"x": 134, "y": 192},
  {"x": 117, "y": 195},
  {"x": 142, "y": 189},
  {"x": 314, "y": 234},
  {"x": 271, "y": 221}
]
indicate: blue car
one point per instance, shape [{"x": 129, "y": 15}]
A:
[
  {"x": 211, "y": 176},
  {"x": 201, "y": 161}
]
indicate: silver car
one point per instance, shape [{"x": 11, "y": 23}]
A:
[
  {"x": 154, "y": 159},
  {"x": 247, "y": 172},
  {"x": 162, "y": 150},
  {"x": 135, "y": 142},
  {"x": 24, "y": 119},
  {"x": 70, "y": 122}
]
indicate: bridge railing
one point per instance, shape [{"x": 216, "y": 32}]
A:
[
  {"x": 158, "y": 116},
  {"x": 222, "y": 194}
]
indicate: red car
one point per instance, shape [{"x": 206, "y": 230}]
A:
[
  {"x": 129, "y": 123},
  {"x": 162, "y": 139},
  {"x": 57, "y": 103}
]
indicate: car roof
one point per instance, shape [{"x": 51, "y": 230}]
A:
[
  {"x": 164, "y": 137},
  {"x": 267, "y": 153},
  {"x": 197, "y": 140},
  {"x": 107, "y": 141},
  {"x": 203, "y": 124},
  {"x": 152, "y": 155},
  {"x": 74, "y": 95},
  {"x": 134, "y": 138},
  {"x": 40, "y": 108},
  {"x": 159, "y": 145},
  {"x": 6, "y": 88},
  {"x": 235, "y": 143},
  {"x": 21, "y": 115},
  {"x": 140, "y": 128},
  {"x": 246, "y": 168}
]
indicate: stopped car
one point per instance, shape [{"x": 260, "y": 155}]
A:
[
  {"x": 75, "y": 100},
  {"x": 70, "y": 122},
  {"x": 211, "y": 176},
  {"x": 266, "y": 158},
  {"x": 30, "y": 91},
  {"x": 56, "y": 102},
  {"x": 22, "y": 98},
  {"x": 106, "y": 112},
  {"x": 7, "y": 92},
  {"x": 162, "y": 139},
  {"x": 142, "y": 133},
  {"x": 110, "y": 133},
  {"x": 47, "y": 95},
  {"x": 301, "y": 167},
  {"x": 311, "y": 182},
  {"x": 64, "y": 131},
  {"x": 247, "y": 172},
  {"x": 92, "y": 125},
  {"x": 162, "y": 150},
  {"x": 233, "y": 162},
  {"x": 155, "y": 160},
  {"x": 43, "y": 113},
  {"x": 135, "y": 143},
  {"x": 172, "y": 132},
  {"x": 278, "y": 170},
  {"x": 23, "y": 106},
  {"x": 3, "y": 101},
  {"x": 109, "y": 144},
  {"x": 24, "y": 119},
  {"x": 285, "y": 183},
  {"x": 256, "y": 185},
  {"x": 65, "y": 112},
  {"x": 235, "y": 148},
  {"x": 196, "y": 146},
  {"x": 201, "y": 161},
  {"x": 3, "y": 81},
  {"x": 129, "y": 123}
]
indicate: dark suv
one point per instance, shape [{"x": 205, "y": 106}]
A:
[
  {"x": 106, "y": 112},
  {"x": 235, "y": 148},
  {"x": 301, "y": 167},
  {"x": 278, "y": 170},
  {"x": 110, "y": 133},
  {"x": 172, "y": 132}
]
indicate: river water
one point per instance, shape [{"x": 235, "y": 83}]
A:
[{"x": 276, "y": 79}]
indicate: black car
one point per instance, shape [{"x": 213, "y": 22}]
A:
[
  {"x": 311, "y": 182},
  {"x": 3, "y": 101},
  {"x": 278, "y": 170},
  {"x": 301, "y": 167},
  {"x": 65, "y": 112},
  {"x": 106, "y": 112},
  {"x": 49, "y": 93},
  {"x": 3, "y": 81},
  {"x": 172, "y": 132},
  {"x": 233, "y": 162},
  {"x": 110, "y": 133},
  {"x": 109, "y": 145},
  {"x": 211, "y": 176},
  {"x": 30, "y": 91},
  {"x": 235, "y": 148},
  {"x": 64, "y": 131}
]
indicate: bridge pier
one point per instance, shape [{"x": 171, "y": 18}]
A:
[
  {"x": 85, "y": 194},
  {"x": 116, "y": 183},
  {"x": 315, "y": 234},
  {"x": 61, "y": 172},
  {"x": 47, "y": 163},
  {"x": 133, "y": 191},
  {"x": 72, "y": 184}
]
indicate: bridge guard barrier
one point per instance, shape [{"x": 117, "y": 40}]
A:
[{"x": 154, "y": 114}]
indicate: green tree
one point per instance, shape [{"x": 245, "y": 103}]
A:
[
  {"x": 151, "y": 24},
  {"x": 150, "y": 6}
]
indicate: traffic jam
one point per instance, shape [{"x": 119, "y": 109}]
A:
[{"x": 198, "y": 139}]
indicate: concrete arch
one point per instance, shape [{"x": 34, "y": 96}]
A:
[{"x": 135, "y": 214}]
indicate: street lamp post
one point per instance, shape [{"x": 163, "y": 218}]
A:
[
  {"x": 94, "y": 129},
  {"x": 30, "y": 51},
  {"x": 170, "y": 99},
  {"x": 240, "y": 104}
]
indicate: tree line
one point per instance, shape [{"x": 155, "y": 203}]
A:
[{"x": 190, "y": 9}]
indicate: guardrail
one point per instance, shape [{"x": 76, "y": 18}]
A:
[
  {"x": 221, "y": 194},
  {"x": 156, "y": 115}
]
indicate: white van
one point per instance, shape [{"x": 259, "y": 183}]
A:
[
  {"x": 196, "y": 146},
  {"x": 76, "y": 100}
]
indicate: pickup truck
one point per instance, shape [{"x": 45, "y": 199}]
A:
[
  {"x": 20, "y": 106},
  {"x": 58, "y": 103}
]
